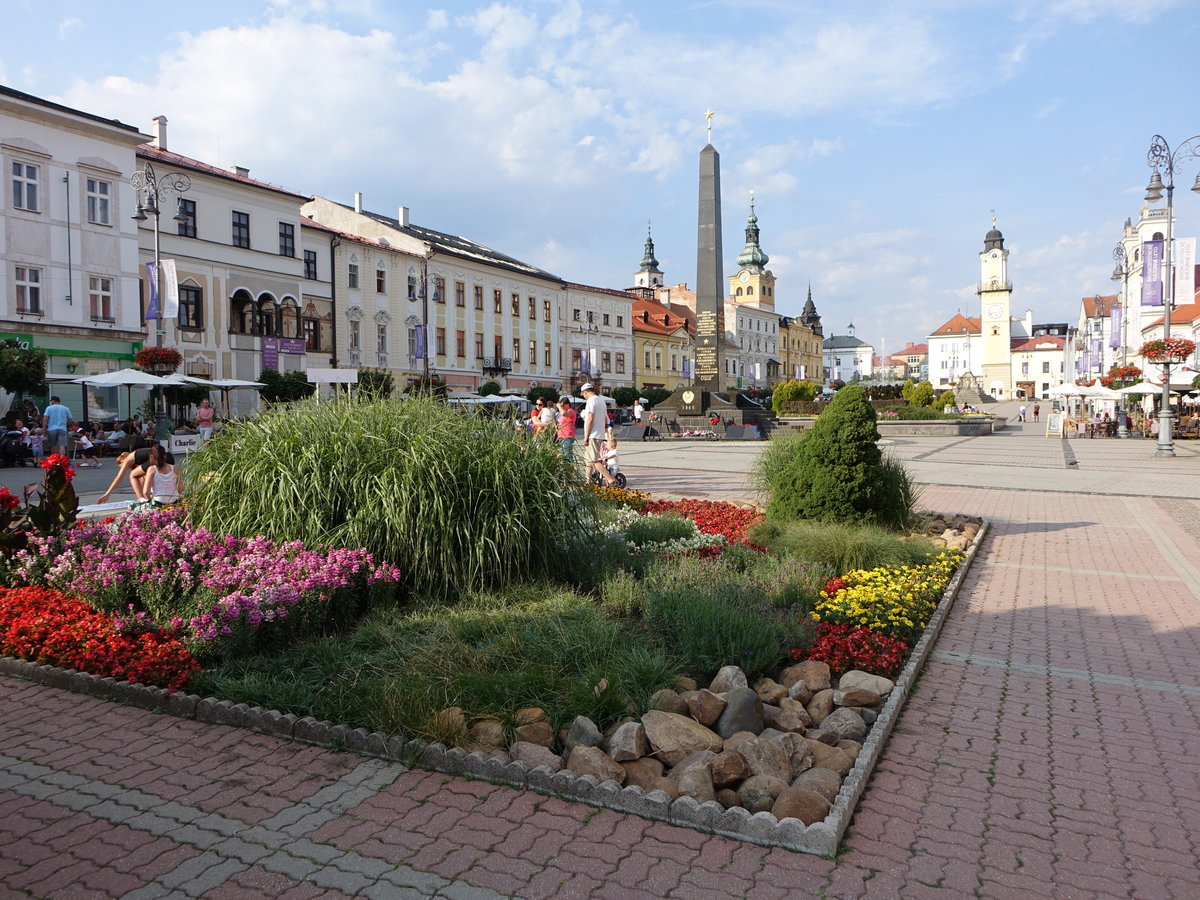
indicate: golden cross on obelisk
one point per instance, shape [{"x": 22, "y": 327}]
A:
[{"x": 708, "y": 117}]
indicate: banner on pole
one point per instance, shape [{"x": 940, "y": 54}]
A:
[
  {"x": 152, "y": 278},
  {"x": 420, "y": 336},
  {"x": 170, "y": 290},
  {"x": 1185, "y": 270},
  {"x": 1114, "y": 339},
  {"x": 1152, "y": 259}
]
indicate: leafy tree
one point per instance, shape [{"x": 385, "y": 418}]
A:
[
  {"x": 184, "y": 395},
  {"x": 656, "y": 396},
  {"x": 22, "y": 371},
  {"x": 375, "y": 384},
  {"x": 625, "y": 396},
  {"x": 944, "y": 399},
  {"x": 435, "y": 387},
  {"x": 548, "y": 394},
  {"x": 284, "y": 388},
  {"x": 836, "y": 472},
  {"x": 915, "y": 394},
  {"x": 489, "y": 389}
]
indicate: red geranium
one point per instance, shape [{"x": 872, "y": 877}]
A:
[
  {"x": 711, "y": 517},
  {"x": 846, "y": 647},
  {"x": 7, "y": 500}
]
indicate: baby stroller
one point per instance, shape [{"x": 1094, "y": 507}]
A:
[
  {"x": 612, "y": 462},
  {"x": 12, "y": 451}
]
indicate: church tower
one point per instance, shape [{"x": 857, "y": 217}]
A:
[
  {"x": 649, "y": 275},
  {"x": 753, "y": 284},
  {"x": 995, "y": 301}
]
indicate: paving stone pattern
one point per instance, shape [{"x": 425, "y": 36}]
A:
[{"x": 1048, "y": 750}]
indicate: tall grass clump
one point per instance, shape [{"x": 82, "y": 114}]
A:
[
  {"x": 457, "y": 501},
  {"x": 841, "y": 546}
]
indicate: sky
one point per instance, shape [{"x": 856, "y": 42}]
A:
[{"x": 879, "y": 138}]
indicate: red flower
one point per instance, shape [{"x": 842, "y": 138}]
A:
[
  {"x": 846, "y": 647},
  {"x": 58, "y": 461},
  {"x": 711, "y": 517},
  {"x": 7, "y": 500}
]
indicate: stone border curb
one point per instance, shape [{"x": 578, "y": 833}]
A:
[{"x": 820, "y": 838}]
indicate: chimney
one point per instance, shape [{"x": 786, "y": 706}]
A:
[
  {"x": 402, "y": 218},
  {"x": 358, "y": 201},
  {"x": 240, "y": 171},
  {"x": 160, "y": 132}
]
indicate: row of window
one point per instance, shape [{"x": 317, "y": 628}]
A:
[
  {"x": 591, "y": 318},
  {"x": 758, "y": 324},
  {"x": 28, "y": 282}
]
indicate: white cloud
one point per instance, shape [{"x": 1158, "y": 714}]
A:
[
  {"x": 437, "y": 20},
  {"x": 66, "y": 26}
]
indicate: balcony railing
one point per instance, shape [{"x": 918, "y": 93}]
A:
[{"x": 496, "y": 365}]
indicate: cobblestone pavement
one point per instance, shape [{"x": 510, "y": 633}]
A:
[{"x": 1049, "y": 750}]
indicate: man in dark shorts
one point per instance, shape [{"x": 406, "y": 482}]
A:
[{"x": 135, "y": 464}]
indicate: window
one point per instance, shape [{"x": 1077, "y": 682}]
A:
[
  {"x": 516, "y": 350},
  {"x": 1024, "y": 368},
  {"x": 187, "y": 225},
  {"x": 310, "y": 264},
  {"x": 605, "y": 361},
  {"x": 460, "y": 344},
  {"x": 605, "y": 318},
  {"x": 498, "y": 346},
  {"x": 533, "y": 353},
  {"x": 241, "y": 229},
  {"x": 381, "y": 281},
  {"x": 381, "y": 339},
  {"x": 287, "y": 239},
  {"x": 1046, "y": 368},
  {"x": 191, "y": 311},
  {"x": 620, "y": 321},
  {"x": 412, "y": 287},
  {"x": 574, "y": 315},
  {"x": 657, "y": 359},
  {"x": 546, "y": 355},
  {"x": 99, "y": 201},
  {"x": 647, "y": 359},
  {"x": 497, "y": 301},
  {"x": 29, "y": 290},
  {"x": 674, "y": 362},
  {"x": 440, "y": 347},
  {"x": 516, "y": 305},
  {"x": 460, "y": 295},
  {"x": 546, "y": 311},
  {"x": 479, "y": 296},
  {"x": 352, "y": 276},
  {"x": 100, "y": 298},
  {"x": 532, "y": 309},
  {"x": 439, "y": 290},
  {"x": 25, "y": 187},
  {"x": 355, "y": 332},
  {"x": 478, "y": 345},
  {"x": 412, "y": 343},
  {"x": 620, "y": 363},
  {"x": 312, "y": 334}
]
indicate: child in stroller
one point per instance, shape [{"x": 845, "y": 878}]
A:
[{"x": 611, "y": 459}]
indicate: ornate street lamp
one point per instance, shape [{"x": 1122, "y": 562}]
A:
[
  {"x": 1121, "y": 273},
  {"x": 151, "y": 190},
  {"x": 1161, "y": 157}
]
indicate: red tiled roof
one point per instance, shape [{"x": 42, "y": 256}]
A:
[
  {"x": 914, "y": 350},
  {"x": 658, "y": 319},
  {"x": 1189, "y": 312},
  {"x": 1107, "y": 303},
  {"x": 1044, "y": 342},
  {"x": 960, "y": 324},
  {"x": 166, "y": 157}
]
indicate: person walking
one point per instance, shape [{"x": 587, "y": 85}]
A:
[
  {"x": 204, "y": 419},
  {"x": 638, "y": 409},
  {"x": 54, "y": 423},
  {"x": 566, "y": 428},
  {"x": 595, "y": 422},
  {"x": 1037, "y": 409}
]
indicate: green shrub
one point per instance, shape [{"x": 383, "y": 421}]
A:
[
  {"x": 788, "y": 392},
  {"x": 375, "y": 384},
  {"x": 944, "y": 399},
  {"x": 658, "y": 528},
  {"x": 625, "y": 396},
  {"x": 457, "y": 501},
  {"x": 621, "y": 594},
  {"x": 917, "y": 394},
  {"x": 489, "y": 389},
  {"x": 837, "y": 548},
  {"x": 915, "y": 413}
]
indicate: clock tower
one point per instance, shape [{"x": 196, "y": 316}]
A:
[
  {"x": 995, "y": 300},
  {"x": 753, "y": 284}
]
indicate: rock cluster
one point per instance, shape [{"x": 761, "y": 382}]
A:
[
  {"x": 778, "y": 746},
  {"x": 955, "y": 532}
]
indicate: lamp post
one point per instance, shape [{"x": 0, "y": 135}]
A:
[
  {"x": 588, "y": 330},
  {"x": 1160, "y": 156},
  {"x": 150, "y": 191},
  {"x": 1121, "y": 274},
  {"x": 423, "y": 295}
]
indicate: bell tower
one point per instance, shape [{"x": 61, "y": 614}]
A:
[
  {"x": 649, "y": 275},
  {"x": 995, "y": 302},
  {"x": 753, "y": 284}
]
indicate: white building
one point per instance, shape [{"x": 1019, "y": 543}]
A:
[
  {"x": 846, "y": 358},
  {"x": 68, "y": 248},
  {"x": 595, "y": 341},
  {"x": 1096, "y": 348},
  {"x": 1038, "y": 364}
]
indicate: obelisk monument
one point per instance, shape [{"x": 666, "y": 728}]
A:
[{"x": 710, "y": 285}]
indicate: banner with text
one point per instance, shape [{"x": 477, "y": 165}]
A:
[
  {"x": 170, "y": 290},
  {"x": 1152, "y": 258},
  {"x": 1185, "y": 270},
  {"x": 152, "y": 279},
  {"x": 1114, "y": 340}
]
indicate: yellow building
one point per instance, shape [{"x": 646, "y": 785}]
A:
[{"x": 663, "y": 345}]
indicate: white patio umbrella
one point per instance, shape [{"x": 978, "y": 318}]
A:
[
  {"x": 1144, "y": 387},
  {"x": 125, "y": 377},
  {"x": 225, "y": 385}
]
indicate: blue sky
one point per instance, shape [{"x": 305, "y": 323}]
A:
[{"x": 877, "y": 137}]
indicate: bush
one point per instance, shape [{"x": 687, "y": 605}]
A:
[
  {"x": 835, "y": 473},
  {"x": 842, "y": 547},
  {"x": 845, "y": 647},
  {"x": 790, "y": 392},
  {"x": 625, "y": 396},
  {"x": 456, "y": 501},
  {"x": 656, "y": 396},
  {"x": 284, "y": 388},
  {"x": 489, "y": 389},
  {"x": 917, "y": 394},
  {"x": 914, "y": 413},
  {"x": 548, "y": 394},
  {"x": 375, "y": 384},
  {"x": 944, "y": 399}
]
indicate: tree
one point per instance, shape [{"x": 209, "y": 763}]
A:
[
  {"x": 656, "y": 396},
  {"x": 791, "y": 391},
  {"x": 548, "y": 394},
  {"x": 944, "y": 399},
  {"x": 375, "y": 384},
  {"x": 836, "y": 472},
  {"x": 489, "y": 389},
  {"x": 284, "y": 388},
  {"x": 22, "y": 371},
  {"x": 917, "y": 394},
  {"x": 625, "y": 396},
  {"x": 434, "y": 387}
]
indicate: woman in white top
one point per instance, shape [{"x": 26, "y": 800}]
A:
[{"x": 164, "y": 483}]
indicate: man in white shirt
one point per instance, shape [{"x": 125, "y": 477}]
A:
[
  {"x": 638, "y": 409},
  {"x": 595, "y": 421}
]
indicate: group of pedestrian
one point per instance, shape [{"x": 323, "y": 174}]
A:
[
  {"x": 1022, "y": 412},
  {"x": 560, "y": 419}
]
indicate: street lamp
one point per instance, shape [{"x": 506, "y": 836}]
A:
[
  {"x": 588, "y": 330},
  {"x": 150, "y": 191},
  {"x": 423, "y": 296},
  {"x": 1161, "y": 157},
  {"x": 1121, "y": 273}
]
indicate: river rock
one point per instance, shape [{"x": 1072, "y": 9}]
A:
[
  {"x": 672, "y": 736},
  {"x": 683, "y": 683},
  {"x": 696, "y": 782},
  {"x": 765, "y": 758},
  {"x": 826, "y": 757},
  {"x": 824, "y": 781},
  {"x": 855, "y": 697},
  {"x": 451, "y": 723},
  {"x": 758, "y": 792},
  {"x": 628, "y": 742},
  {"x": 782, "y": 720},
  {"x": 664, "y": 784},
  {"x": 728, "y": 767},
  {"x": 800, "y": 691},
  {"x": 736, "y": 740},
  {"x": 847, "y": 723},
  {"x": 728, "y": 679},
  {"x": 800, "y": 803},
  {"x": 642, "y": 771},
  {"x": 770, "y": 691},
  {"x": 852, "y": 747},
  {"x": 813, "y": 673},
  {"x": 856, "y": 678},
  {"x": 536, "y": 733},
  {"x": 668, "y": 701},
  {"x": 828, "y": 736},
  {"x": 582, "y": 733},
  {"x": 699, "y": 758},
  {"x": 797, "y": 751},
  {"x": 796, "y": 706},
  {"x": 820, "y": 706},
  {"x": 534, "y": 755},
  {"x": 728, "y": 798},
  {"x": 486, "y": 733},
  {"x": 585, "y": 760},
  {"x": 743, "y": 712},
  {"x": 528, "y": 715},
  {"x": 705, "y": 707}
]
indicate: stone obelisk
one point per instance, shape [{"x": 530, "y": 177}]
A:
[{"x": 710, "y": 291}]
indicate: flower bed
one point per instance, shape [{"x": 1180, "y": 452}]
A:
[{"x": 711, "y": 516}]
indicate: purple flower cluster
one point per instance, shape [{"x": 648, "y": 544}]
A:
[{"x": 189, "y": 577}]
